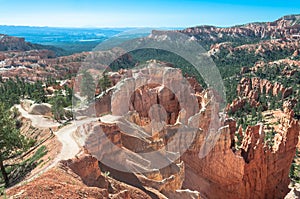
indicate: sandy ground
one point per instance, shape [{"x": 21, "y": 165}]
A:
[
  {"x": 61, "y": 147},
  {"x": 38, "y": 121}
]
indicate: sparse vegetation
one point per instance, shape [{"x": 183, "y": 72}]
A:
[
  {"x": 12, "y": 141},
  {"x": 269, "y": 137},
  {"x": 104, "y": 82},
  {"x": 18, "y": 170},
  {"x": 295, "y": 169},
  {"x": 106, "y": 174},
  {"x": 87, "y": 85},
  {"x": 59, "y": 102},
  {"x": 2, "y": 192}
]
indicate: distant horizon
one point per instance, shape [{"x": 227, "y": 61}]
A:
[
  {"x": 137, "y": 27},
  {"x": 86, "y": 27},
  {"x": 141, "y": 14}
]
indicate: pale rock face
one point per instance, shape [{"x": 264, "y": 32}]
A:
[
  {"x": 155, "y": 85},
  {"x": 276, "y": 29},
  {"x": 296, "y": 53},
  {"x": 279, "y": 35},
  {"x": 13, "y": 43},
  {"x": 254, "y": 172},
  {"x": 26, "y": 104},
  {"x": 80, "y": 177},
  {"x": 146, "y": 124},
  {"x": 215, "y": 169},
  {"x": 167, "y": 180},
  {"x": 40, "y": 109}
]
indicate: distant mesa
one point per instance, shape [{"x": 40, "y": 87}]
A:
[{"x": 9, "y": 43}]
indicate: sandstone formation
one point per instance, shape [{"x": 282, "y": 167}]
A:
[
  {"x": 154, "y": 181},
  {"x": 145, "y": 96},
  {"x": 236, "y": 105},
  {"x": 213, "y": 167},
  {"x": 246, "y": 88},
  {"x": 255, "y": 39},
  {"x": 8, "y": 43},
  {"x": 260, "y": 49},
  {"x": 34, "y": 65},
  {"x": 140, "y": 127},
  {"x": 286, "y": 62},
  {"x": 254, "y": 171},
  {"x": 296, "y": 53},
  {"x": 285, "y": 27},
  {"x": 249, "y": 90},
  {"x": 156, "y": 85}
]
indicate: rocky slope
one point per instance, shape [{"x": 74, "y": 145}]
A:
[
  {"x": 9, "y": 43},
  {"x": 285, "y": 27},
  {"x": 250, "y": 89},
  {"x": 246, "y": 44},
  {"x": 77, "y": 178},
  {"x": 252, "y": 171},
  {"x": 36, "y": 65}
]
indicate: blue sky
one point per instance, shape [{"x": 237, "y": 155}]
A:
[{"x": 149, "y": 13}]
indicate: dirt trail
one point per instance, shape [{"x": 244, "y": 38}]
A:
[
  {"x": 38, "y": 121},
  {"x": 64, "y": 135},
  {"x": 70, "y": 147}
]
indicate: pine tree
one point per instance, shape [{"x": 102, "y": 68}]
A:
[
  {"x": 104, "y": 82},
  {"x": 87, "y": 85},
  {"x": 253, "y": 113},
  {"x": 10, "y": 139},
  {"x": 58, "y": 102},
  {"x": 272, "y": 103},
  {"x": 69, "y": 95},
  {"x": 279, "y": 100},
  {"x": 259, "y": 115},
  {"x": 297, "y": 109}
]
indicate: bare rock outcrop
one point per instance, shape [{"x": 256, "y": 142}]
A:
[
  {"x": 40, "y": 109},
  {"x": 212, "y": 165},
  {"x": 285, "y": 27},
  {"x": 13, "y": 43},
  {"x": 122, "y": 140},
  {"x": 296, "y": 53},
  {"x": 166, "y": 181},
  {"x": 26, "y": 104},
  {"x": 254, "y": 171},
  {"x": 155, "y": 85},
  {"x": 250, "y": 89},
  {"x": 146, "y": 96},
  {"x": 245, "y": 88},
  {"x": 77, "y": 178}
]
